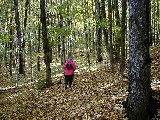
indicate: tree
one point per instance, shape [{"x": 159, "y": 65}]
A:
[
  {"x": 139, "y": 61},
  {"x": 11, "y": 47},
  {"x": 110, "y": 34},
  {"x": 62, "y": 39},
  {"x": 46, "y": 47},
  {"x": 99, "y": 32},
  {"x": 123, "y": 33},
  {"x": 105, "y": 30},
  {"x": 118, "y": 38},
  {"x": 19, "y": 37}
]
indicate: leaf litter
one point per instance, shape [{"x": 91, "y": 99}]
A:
[{"x": 95, "y": 95}]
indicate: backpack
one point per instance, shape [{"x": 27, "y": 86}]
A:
[{"x": 69, "y": 66}]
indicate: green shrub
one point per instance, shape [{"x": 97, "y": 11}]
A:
[{"x": 41, "y": 84}]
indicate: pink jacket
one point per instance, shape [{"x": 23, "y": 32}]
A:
[{"x": 69, "y": 72}]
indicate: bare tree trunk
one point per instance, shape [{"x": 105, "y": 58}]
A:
[
  {"x": 153, "y": 22},
  {"x": 86, "y": 45},
  {"x": 24, "y": 31},
  {"x": 105, "y": 29},
  {"x": 123, "y": 31},
  {"x": 118, "y": 38},
  {"x": 139, "y": 61},
  {"x": 63, "y": 59},
  {"x": 157, "y": 23},
  {"x": 86, "y": 33},
  {"x": 19, "y": 36},
  {"x": 39, "y": 44},
  {"x": 31, "y": 57},
  {"x": 46, "y": 47},
  {"x": 99, "y": 32},
  {"x": 110, "y": 34},
  {"x": 11, "y": 49}
]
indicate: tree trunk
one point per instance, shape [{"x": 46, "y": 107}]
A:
[
  {"x": 86, "y": 45},
  {"x": 105, "y": 30},
  {"x": 24, "y": 31},
  {"x": 153, "y": 21},
  {"x": 86, "y": 33},
  {"x": 46, "y": 47},
  {"x": 118, "y": 38},
  {"x": 19, "y": 36},
  {"x": 99, "y": 33},
  {"x": 110, "y": 34},
  {"x": 39, "y": 44},
  {"x": 63, "y": 58},
  {"x": 157, "y": 23},
  {"x": 11, "y": 48},
  {"x": 139, "y": 61},
  {"x": 123, "y": 31}
]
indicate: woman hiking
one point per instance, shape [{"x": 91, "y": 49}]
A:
[{"x": 69, "y": 68}]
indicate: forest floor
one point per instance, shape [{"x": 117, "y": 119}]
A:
[{"x": 95, "y": 95}]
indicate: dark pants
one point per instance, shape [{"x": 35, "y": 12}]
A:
[{"x": 68, "y": 80}]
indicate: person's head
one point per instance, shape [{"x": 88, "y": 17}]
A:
[{"x": 70, "y": 58}]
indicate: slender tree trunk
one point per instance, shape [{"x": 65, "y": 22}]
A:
[
  {"x": 59, "y": 46},
  {"x": 31, "y": 58},
  {"x": 86, "y": 45},
  {"x": 118, "y": 38},
  {"x": 157, "y": 23},
  {"x": 150, "y": 26},
  {"x": 99, "y": 33},
  {"x": 153, "y": 22},
  {"x": 63, "y": 59},
  {"x": 139, "y": 61},
  {"x": 110, "y": 34},
  {"x": 69, "y": 22},
  {"x": 86, "y": 33},
  {"x": 105, "y": 30},
  {"x": 5, "y": 56},
  {"x": 47, "y": 58},
  {"x": 19, "y": 36},
  {"x": 123, "y": 31},
  {"x": 11, "y": 48},
  {"x": 24, "y": 31},
  {"x": 39, "y": 45}
]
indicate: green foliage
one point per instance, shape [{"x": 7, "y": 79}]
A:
[
  {"x": 57, "y": 31},
  {"x": 41, "y": 84},
  {"x": 159, "y": 69}
]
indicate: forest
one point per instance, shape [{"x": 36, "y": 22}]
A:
[{"x": 115, "y": 45}]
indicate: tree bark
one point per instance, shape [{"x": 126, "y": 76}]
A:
[
  {"x": 24, "y": 31},
  {"x": 118, "y": 38},
  {"x": 86, "y": 45},
  {"x": 19, "y": 36},
  {"x": 11, "y": 48},
  {"x": 39, "y": 44},
  {"x": 110, "y": 34},
  {"x": 157, "y": 23},
  {"x": 139, "y": 61},
  {"x": 63, "y": 58},
  {"x": 46, "y": 47},
  {"x": 99, "y": 33},
  {"x": 123, "y": 31},
  {"x": 105, "y": 30}
]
